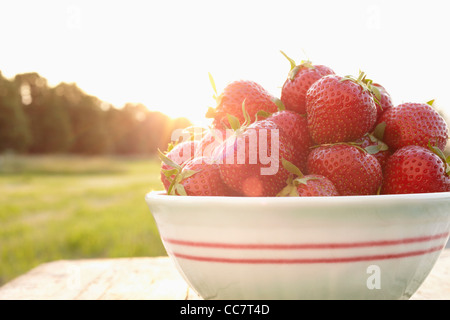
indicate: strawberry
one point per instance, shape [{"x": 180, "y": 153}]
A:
[
  {"x": 384, "y": 100},
  {"x": 339, "y": 109},
  {"x": 196, "y": 177},
  {"x": 294, "y": 126},
  {"x": 414, "y": 124},
  {"x": 351, "y": 169},
  {"x": 233, "y": 96},
  {"x": 312, "y": 185},
  {"x": 415, "y": 169},
  {"x": 251, "y": 159},
  {"x": 299, "y": 80},
  {"x": 211, "y": 140},
  {"x": 179, "y": 154}
]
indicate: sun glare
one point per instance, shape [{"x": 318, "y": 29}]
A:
[{"x": 159, "y": 54}]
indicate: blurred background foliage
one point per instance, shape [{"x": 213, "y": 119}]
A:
[{"x": 38, "y": 119}]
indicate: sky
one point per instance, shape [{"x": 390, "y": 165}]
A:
[{"x": 159, "y": 53}]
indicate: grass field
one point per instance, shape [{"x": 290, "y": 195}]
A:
[{"x": 61, "y": 207}]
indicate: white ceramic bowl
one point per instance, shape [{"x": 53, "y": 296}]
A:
[{"x": 356, "y": 247}]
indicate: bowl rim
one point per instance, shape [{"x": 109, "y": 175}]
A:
[{"x": 160, "y": 196}]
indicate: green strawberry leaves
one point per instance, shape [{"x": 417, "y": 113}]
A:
[
  {"x": 179, "y": 174},
  {"x": 378, "y": 145},
  {"x": 291, "y": 168},
  {"x": 213, "y": 85},
  {"x": 366, "y": 84},
  {"x": 441, "y": 155},
  {"x": 292, "y": 62},
  {"x": 376, "y": 148},
  {"x": 371, "y": 149},
  {"x": 212, "y": 112},
  {"x": 290, "y": 190},
  {"x": 279, "y": 104},
  {"x": 234, "y": 122},
  {"x": 378, "y": 132}
]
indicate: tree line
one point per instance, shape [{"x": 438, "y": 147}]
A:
[{"x": 38, "y": 119}]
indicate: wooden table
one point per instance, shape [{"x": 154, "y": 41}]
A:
[{"x": 147, "y": 279}]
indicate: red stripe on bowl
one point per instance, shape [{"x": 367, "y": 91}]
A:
[
  {"x": 309, "y": 260},
  {"x": 296, "y": 246}
]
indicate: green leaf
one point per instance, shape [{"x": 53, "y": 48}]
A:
[
  {"x": 301, "y": 181},
  {"x": 378, "y": 132},
  {"x": 383, "y": 146},
  {"x": 262, "y": 114},
  {"x": 361, "y": 76},
  {"x": 294, "y": 72},
  {"x": 307, "y": 64},
  {"x": 294, "y": 192},
  {"x": 447, "y": 160},
  {"x": 179, "y": 188},
  {"x": 372, "y": 149},
  {"x": 304, "y": 180},
  {"x": 170, "y": 146},
  {"x": 170, "y": 190},
  {"x": 169, "y": 173},
  {"x": 234, "y": 122},
  {"x": 285, "y": 191},
  {"x": 247, "y": 119},
  {"x": 437, "y": 151},
  {"x": 291, "y": 61},
  {"x": 279, "y": 104},
  {"x": 188, "y": 173},
  {"x": 289, "y": 191},
  {"x": 213, "y": 84},
  {"x": 292, "y": 168},
  {"x": 168, "y": 161},
  {"x": 431, "y": 102},
  {"x": 377, "y": 94},
  {"x": 372, "y": 138}
]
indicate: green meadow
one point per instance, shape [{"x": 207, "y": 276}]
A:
[{"x": 70, "y": 207}]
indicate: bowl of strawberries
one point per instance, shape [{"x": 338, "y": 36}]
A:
[{"x": 329, "y": 192}]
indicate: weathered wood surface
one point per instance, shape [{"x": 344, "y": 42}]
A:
[{"x": 146, "y": 279}]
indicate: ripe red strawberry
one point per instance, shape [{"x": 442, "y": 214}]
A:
[
  {"x": 414, "y": 124},
  {"x": 236, "y": 93},
  {"x": 196, "y": 177},
  {"x": 312, "y": 185},
  {"x": 299, "y": 80},
  {"x": 179, "y": 154},
  {"x": 384, "y": 102},
  {"x": 250, "y": 161},
  {"x": 352, "y": 170},
  {"x": 202, "y": 179},
  {"x": 294, "y": 126},
  {"x": 211, "y": 140},
  {"x": 339, "y": 109},
  {"x": 415, "y": 169}
]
